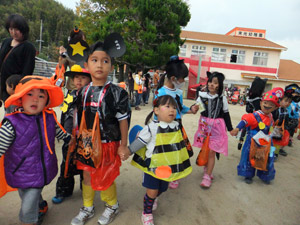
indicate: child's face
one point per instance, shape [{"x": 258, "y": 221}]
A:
[
  {"x": 165, "y": 113},
  {"x": 80, "y": 81},
  {"x": 99, "y": 66},
  {"x": 34, "y": 101},
  {"x": 285, "y": 102},
  {"x": 267, "y": 107},
  {"x": 9, "y": 89},
  {"x": 213, "y": 86}
]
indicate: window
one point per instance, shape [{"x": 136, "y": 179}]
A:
[
  {"x": 219, "y": 54},
  {"x": 198, "y": 50},
  {"x": 255, "y": 34},
  {"x": 260, "y": 35},
  {"x": 182, "y": 50},
  {"x": 260, "y": 58},
  {"x": 237, "y": 56},
  {"x": 240, "y": 32},
  {"x": 250, "y": 34},
  {"x": 245, "y": 33}
]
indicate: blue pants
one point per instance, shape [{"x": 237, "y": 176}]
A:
[{"x": 138, "y": 99}]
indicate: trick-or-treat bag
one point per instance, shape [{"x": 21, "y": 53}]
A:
[
  {"x": 259, "y": 151},
  {"x": 89, "y": 150},
  {"x": 202, "y": 158}
]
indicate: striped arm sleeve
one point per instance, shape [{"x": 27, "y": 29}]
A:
[
  {"x": 7, "y": 136},
  {"x": 60, "y": 134}
]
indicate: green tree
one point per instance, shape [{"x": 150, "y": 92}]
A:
[{"x": 151, "y": 28}]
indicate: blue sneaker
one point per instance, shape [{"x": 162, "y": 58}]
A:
[{"x": 57, "y": 199}]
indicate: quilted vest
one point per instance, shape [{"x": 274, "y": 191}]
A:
[{"x": 28, "y": 162}]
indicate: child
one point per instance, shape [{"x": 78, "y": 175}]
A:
[
  {"x": 27, "y": 140},
  {"x": 281, "y": 118},
  {"x": 253, "y": 101},
  {"x": 165, "y": 157},
  {"x": 259, "y": 123},
  {"x": 170, "y": 84},
  {"x": 213, "y": 120},
  {"x": 11, "y": 84},
  {"x": 103, "y": 108},
  {"x": 293, "y": 110},
  {"x": 65, "y": 185}
]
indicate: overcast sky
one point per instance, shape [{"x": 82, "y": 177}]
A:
[{"x": 280, "y": 19}]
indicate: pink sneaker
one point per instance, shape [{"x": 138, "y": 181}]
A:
[
  {"x": 147, "y": 219},
  {"x": 154, "y": 207},
  {"x": 205, "y": 172},
  {"x": 206, "y": 181},
  {"x": 174, "y": 184}
]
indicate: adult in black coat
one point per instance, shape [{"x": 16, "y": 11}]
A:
[{"x": 17, "y": 55}]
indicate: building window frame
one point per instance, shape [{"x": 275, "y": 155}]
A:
[
  {"x": 198, "y": 50},
  {"x": 218, "y": 54},
  {"x": 260, "y": 58},
  {"x": 182, "y": 50},
  {"x": 237, "y": 56}
]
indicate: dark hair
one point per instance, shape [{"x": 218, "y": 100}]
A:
[
  {"x": 13, "y": 80},
  {"x": 98, "y": 46},
  {"x": 220, "y": 77},
  {"x": 77, "y": 34},
  {"x": 257, "y": 87},
  {"x": 18, "y": 22},
  {"x": 161, "y": 100},
  {"x": 176, "y": 68}
]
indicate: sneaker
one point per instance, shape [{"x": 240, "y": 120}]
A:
[
  {"x": 83, "y": 215},
  {"x": 174, "y": 184},
  {"x": 290, "y": 144},
  {"x": 298, "y": 137},
  {"x": 137, "y": 108},
  {"x": 147, "y": 219},
  {"x": 282, "y": 152},
  {"x": 248, "y": 180},
  {"x": 109, "y": 214},
  {"x": 154, "y": 207},
  {"x": 57, "y": 199},
  {"x": 206, "y": 181},
  {"x": 43, "y": 208},
  {"x": 205, "y": 172}
]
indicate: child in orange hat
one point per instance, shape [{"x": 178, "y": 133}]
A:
[
  {"x": 27, "y": 139},
  {"x": 256, "y": 154}
]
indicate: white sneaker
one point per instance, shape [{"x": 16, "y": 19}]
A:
[
  {"x": 109, "y": 214},
  {"x": 83, "y": 215}
]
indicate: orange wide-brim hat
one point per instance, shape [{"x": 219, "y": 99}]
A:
[{"x": 30, "y": 82}]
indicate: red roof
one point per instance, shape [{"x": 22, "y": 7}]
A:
[{"x": 230, "y": 40}]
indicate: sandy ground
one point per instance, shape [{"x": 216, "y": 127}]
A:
[{"x": 229, "y": 200}]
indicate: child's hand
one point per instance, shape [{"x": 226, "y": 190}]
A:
[
  {"x": 123, "y": 152},
  {"x": 194, "y": 108},
  {"x": 234, "y": 132}
]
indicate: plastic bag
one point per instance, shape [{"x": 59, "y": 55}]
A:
[
  {"x": 284, "y": 141},
  {"x": 259, "y": 154},
  {"x": 202, "y": 158},
  {"x": 89, "y": 143}
]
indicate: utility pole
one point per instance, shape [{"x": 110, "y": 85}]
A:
[{"x": 41, "y": 35}]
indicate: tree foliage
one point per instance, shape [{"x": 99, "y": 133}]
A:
[
  {"x": 57, "y": 22},
  {"x": 151, "y": 28}
]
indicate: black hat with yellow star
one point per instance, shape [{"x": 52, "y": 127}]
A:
[{"x": 78, "y": 51}]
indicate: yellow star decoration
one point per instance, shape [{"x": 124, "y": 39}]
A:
[
  {"x": 77, "y": 48},
  {"x": 67, "y": 101}
]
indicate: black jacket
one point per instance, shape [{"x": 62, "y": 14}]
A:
[{"x": 21, "y": 60}]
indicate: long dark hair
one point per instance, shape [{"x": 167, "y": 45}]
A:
[
  {"x": 174, "y": 67},
  {"x": 18, "y": 22},
  {"x": 257, "y": 88},
  {"x": 161, "y": 100},
  {"x": 220, "y": 77}
]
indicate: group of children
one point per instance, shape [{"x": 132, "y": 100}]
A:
[{"x": 96, "y": 118}]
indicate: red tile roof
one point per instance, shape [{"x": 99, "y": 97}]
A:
[
  {"x": 230, "y": 40},
  {"x": 288, "y": 71}
]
